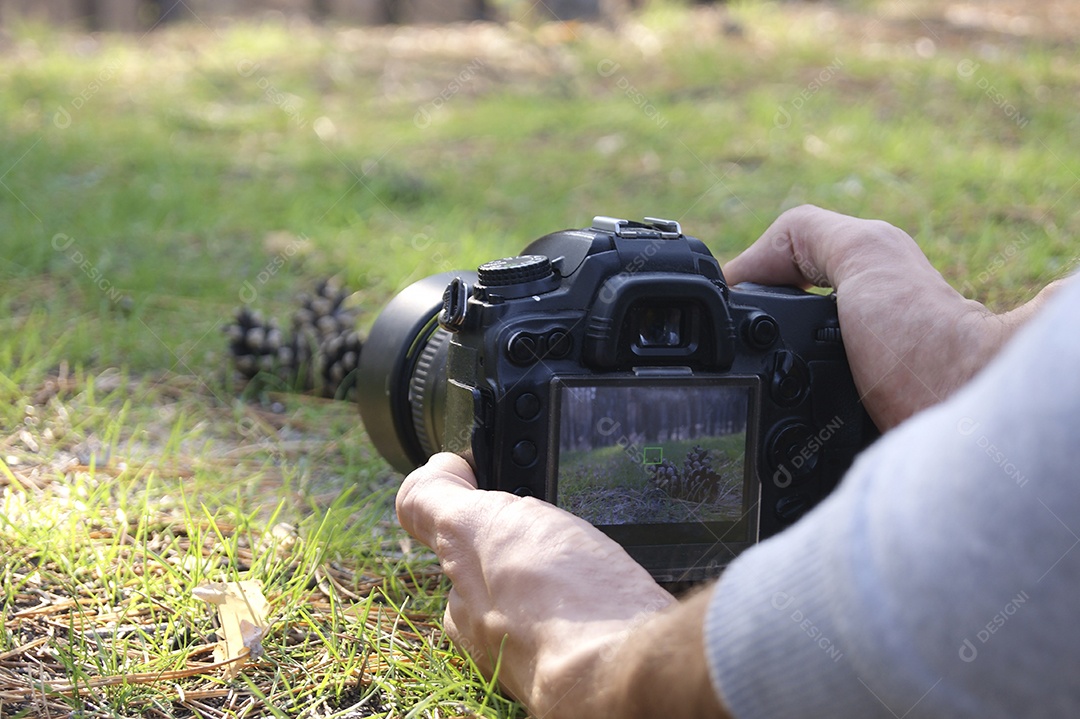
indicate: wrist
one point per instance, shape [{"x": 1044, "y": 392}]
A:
[
  {"x": 573, "y": 684},
  {"x": 980, "y": 335},
  {"x": 986, "y": 333},
  {"x": 654, "y": 666},
  {"x": 662, "y": 670},
  {"x": 1010, "y": 322}
]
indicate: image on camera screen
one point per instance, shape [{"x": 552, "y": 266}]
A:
[{"x": 635, "y": 453}]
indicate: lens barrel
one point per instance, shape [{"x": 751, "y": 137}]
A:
[{"x": 401, "y": 382}]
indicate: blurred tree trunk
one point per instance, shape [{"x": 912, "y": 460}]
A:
[{"x": 436, "y": 11}]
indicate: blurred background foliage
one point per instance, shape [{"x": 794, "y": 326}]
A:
[{"x": 183, "y": 162}]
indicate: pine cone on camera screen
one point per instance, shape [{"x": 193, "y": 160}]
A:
[
  {"x": 665, "y": 476},
  {"x": 696, "y": 482},
  {"x": 701, "y": 483}
]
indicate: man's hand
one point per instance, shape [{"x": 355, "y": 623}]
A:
[
  {"x": 582, "y": 629},
  {"x": 911, "y": 339}
]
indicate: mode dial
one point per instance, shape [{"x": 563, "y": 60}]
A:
[{"x": 514, "y": 270}]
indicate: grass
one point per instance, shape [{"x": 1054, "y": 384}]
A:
[{"x": 151, "y": 185}]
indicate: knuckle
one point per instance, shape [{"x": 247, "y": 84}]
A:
[
  {"x": 405, "y": 500},
  {"x": 800, "y": 213},
  {"x": 884, "y": 231},
  {"x": 413, "y": 505}
]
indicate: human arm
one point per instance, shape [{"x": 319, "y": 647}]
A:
[
  {"x": 939, "y": 578},
  {"x": 582, "y": 629},
  {"x": 555, "y": 596},
  {"x": 911, "y": 339},
  {"x": 953, "y": 597}
]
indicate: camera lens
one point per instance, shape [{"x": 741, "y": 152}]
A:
[{"x": 401, "y": 383}]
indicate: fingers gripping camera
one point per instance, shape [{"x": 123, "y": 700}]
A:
[{"x": 611, "y": 371}]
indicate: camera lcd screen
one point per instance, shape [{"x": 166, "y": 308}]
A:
[{"x": 657, "y": 461}]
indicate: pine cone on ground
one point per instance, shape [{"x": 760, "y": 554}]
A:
[
  {"x": 340, "y": 360},
  {"x": 257, "y": 345},
  {"x": 326, "y": 340},
  {"x": 326, "y": 313},
  {"x": 322, "y": 352}
]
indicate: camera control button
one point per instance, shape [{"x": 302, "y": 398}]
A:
[
  {"x": 793, "y": 452},
  {"x": 761, "y": 331},
  {"x": 527, "y": 406},
  {"x": 788, "y": 387},
  {"x": 514, "y": 270},
  {"x": 522, "y": 348},
  {"x": 791, "y": 507},
  {"x": 790, "y": 380},
  {"x": 828, "y": 334},
  {"x": 559, "y": 344},
  {"x": 524, "y": 453}
]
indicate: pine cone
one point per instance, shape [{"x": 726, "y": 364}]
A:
[
  {"x": 325, "y": 314},
  {"x": 325, "y": 328},
  {"x": 701, "y": 483},
  {"x": 697, "y": 482},
  {"x": 664, "y": 476},
  {"x": 322, "y": 352},
  {"x": 339, "y": 359},
  {"x": 257, "y": 345}
]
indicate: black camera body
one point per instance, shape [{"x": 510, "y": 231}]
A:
[{"x": 611, "y": 371}]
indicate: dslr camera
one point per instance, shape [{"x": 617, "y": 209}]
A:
[{"x": 613, "y": 372}]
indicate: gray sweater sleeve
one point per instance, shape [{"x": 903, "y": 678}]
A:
[{"x": 942, "y": 578}]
